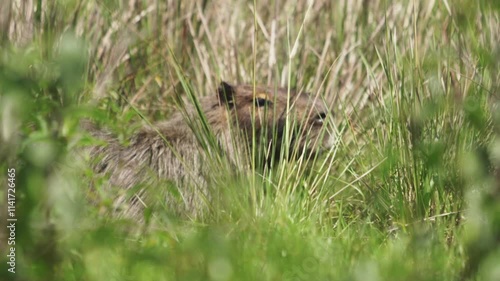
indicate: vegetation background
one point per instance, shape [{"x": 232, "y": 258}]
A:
[{"x": 410, "y": 192}]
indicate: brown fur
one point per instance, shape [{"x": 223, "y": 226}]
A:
[{"x": 173, "y": 149}]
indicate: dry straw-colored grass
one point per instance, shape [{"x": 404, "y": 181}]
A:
[
  {"x": 218, "y": 41},
  {"x": 335, "y": 47}
]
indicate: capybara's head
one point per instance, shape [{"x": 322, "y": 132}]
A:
[{"x": 276, "y": 118}]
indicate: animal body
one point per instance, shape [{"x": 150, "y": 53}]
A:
[{"x": 235, "y": 124}]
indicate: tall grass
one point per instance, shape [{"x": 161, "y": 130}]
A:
[{"x": 409, "y": 192}]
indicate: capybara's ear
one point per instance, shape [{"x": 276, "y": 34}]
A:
[{"x": 226, "y": 93}]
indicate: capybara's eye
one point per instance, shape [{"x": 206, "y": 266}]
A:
[
  {"x": 320, "y": 118},
  {"x": 259, "y": 102}
]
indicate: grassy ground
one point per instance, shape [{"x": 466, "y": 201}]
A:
[{"x": 411, "y": 191}]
